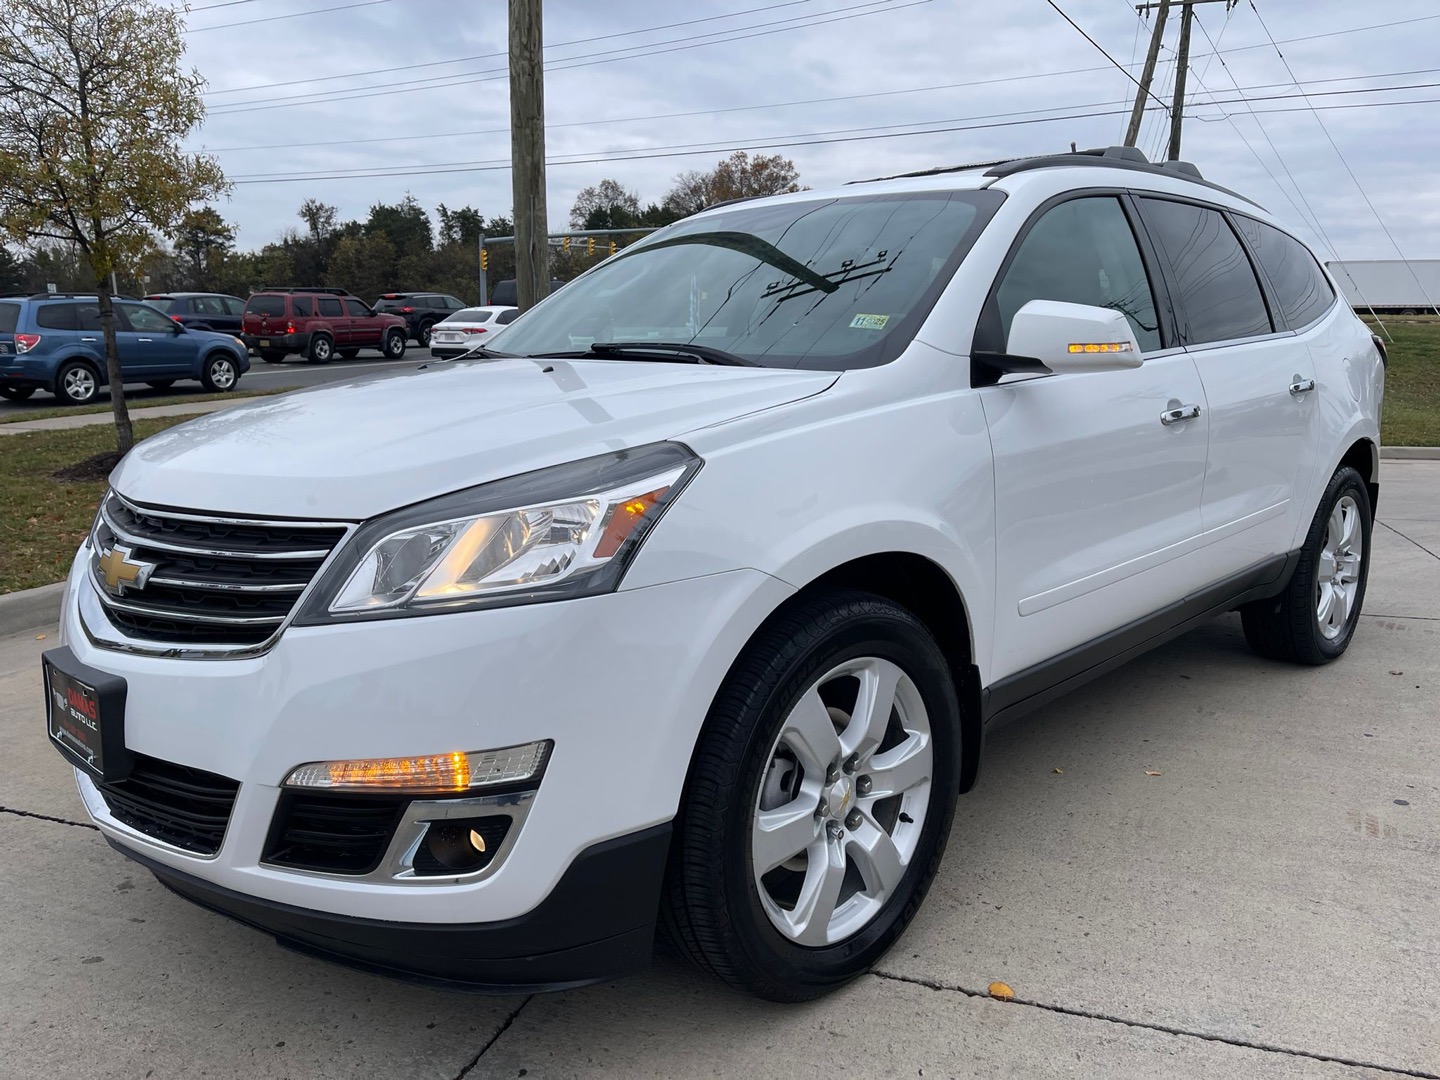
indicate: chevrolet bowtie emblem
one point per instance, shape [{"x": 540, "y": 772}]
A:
[{"x": 119, "y": 570}]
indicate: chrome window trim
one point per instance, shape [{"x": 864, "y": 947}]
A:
[{"x": 1227, "y": 343}]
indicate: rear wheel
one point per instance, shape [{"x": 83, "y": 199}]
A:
[
  {"x": 16, "y": 393},
  {"x": 819, "y": 800},
  {"x": 219, "y": 372},
  {"x": 424, "y": 335},
  {"x": 76, "y": 383},
  {"x": 270, "y": 356},
  {"x": 349, "y": 354},
  {"x": 394, "y": 346},
  {"x": 160, "y": 384},
  {"x": 322, "y": 349},
  {"x": 1312, "y": 621}
]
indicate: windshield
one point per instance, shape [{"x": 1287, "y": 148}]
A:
[{"x": 833, "y": 283}]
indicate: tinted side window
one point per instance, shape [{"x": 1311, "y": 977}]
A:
[
  {"x": 328, "y": 306},
  {"x": 301, "y": 307},
  {"x": 355, "y": 307},
  {"x": 9, "y": 318},
  {"x": 56, "y": 317},
  {"x": 87, "y": 317},
  {"x": 452, "y": 303},
  {"x": 146, "y": 320},
  {"x": 505, "y": 318},
  {"x": 1082, "y": 252},
  {"x": 266, "y": 305},
  {"x": 168, "y": 304},
  {"x": 1219, "y": 292},
  {"x": 1301, "y": 289},
  {"x": 208, "y": 305},
  {"x": 233, "y": 305}
]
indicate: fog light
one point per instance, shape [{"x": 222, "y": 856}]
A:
[
  {"x": 460, "y": 846},
  {"x": 432, "y": 774}
]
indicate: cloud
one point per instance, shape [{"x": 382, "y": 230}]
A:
[{"x": 739, "y": 73}]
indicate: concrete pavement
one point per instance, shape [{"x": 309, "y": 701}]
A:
[{"x": 1269, "y": 905}]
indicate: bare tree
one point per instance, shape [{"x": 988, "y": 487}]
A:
[{"x": 737, "y": 177}]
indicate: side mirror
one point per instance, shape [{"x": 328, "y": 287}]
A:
[
  {"x": 177, "y": 328},
  {"x": 1073, "y": 337}
]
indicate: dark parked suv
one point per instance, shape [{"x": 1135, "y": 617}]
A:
[
  {"x": 202, "y": 311},
  {"x": 420, "y": 311},
  {"x": 318, "y": 323}
]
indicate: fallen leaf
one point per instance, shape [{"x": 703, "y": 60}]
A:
[
  {"x": 40, "y": 637},
  {"x": 1058, "y": 772},
  {"x": 1152, "y": 772},
  {"x": 1001, "y": 991},
  {"x": 1397, "y": 673}
]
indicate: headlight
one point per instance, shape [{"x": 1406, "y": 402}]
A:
[{"x": 553, "y": 534}]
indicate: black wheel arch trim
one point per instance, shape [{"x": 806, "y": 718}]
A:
[{"x": 596, "y": 923}]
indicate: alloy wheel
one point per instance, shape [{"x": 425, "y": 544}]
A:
[
  {"x": 843, "y": 802},
  {"x": 79, "y": 384},
  {"x": 1337, "y": 583}
]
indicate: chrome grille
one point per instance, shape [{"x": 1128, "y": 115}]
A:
[{"x": 190, "y": 579}]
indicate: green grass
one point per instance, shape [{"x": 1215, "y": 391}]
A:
[
  {"x": 136, "y": 400},
  {"x": 1412, "y": 383},
  {"x": 43, "y": 520}
]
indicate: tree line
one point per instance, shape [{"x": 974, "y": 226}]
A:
[{"x": 397, "y": 247}]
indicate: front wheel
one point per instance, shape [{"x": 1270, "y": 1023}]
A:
[
  {"x": 219, "y": 373},
  {"x": 424, "y": 336},
  {"x": 819, "y": 799},
  {"x": 394, "y": 347},
  {"x": 1312, "y": 621},
  {"x": 16, "y": 393}
]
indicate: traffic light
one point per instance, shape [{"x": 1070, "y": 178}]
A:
[
  {"x": 565, "y": 245},
  {"x": 612, "y": 247},
  {"x": 591, "y": 242},
  {"x": 484, "y": 259}
]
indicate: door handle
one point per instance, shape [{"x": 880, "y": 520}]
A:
[
  {"x": 1180, "y": 415},
  {"x": 89, "y": 339},
  {"x": 1300, "y": 386},
  {"x": 146, "y": 340}
]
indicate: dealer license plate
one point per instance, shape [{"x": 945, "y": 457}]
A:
[{"x": 85, "y": 714}]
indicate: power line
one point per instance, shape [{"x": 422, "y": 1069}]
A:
[
  {"x": 495, "y": 55},
  {"x": 226, "y": 3},
  {"x": 277, "y": 18},
  {"x": 1338, "y": 153},
  {"x": 497, "y": 165},
  {"x": 1103, "y": 53},
  {"x": 631, "y": 52}
]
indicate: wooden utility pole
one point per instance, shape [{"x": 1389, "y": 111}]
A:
[
  {"x": 1182, "y": 66},
  {"x": 1147, "y": 75},
  {"x": 527, "y": 152}
]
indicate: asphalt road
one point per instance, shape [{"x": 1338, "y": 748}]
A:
[
  {"x": 261, "y": 376},
  {"x": 1268, "y": 905}
]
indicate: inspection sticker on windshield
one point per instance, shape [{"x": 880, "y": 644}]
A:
[{"x": 869, "y": 322}]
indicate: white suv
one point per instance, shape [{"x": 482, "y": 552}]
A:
[{"x": 693, "y": 606}]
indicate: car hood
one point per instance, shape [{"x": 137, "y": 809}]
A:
[{"x": 352, "y": 450}]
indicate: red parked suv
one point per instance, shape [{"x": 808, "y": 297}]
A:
[{"x": 318, "y": 323}]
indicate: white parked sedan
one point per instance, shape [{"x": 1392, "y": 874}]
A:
[
  {"x": 467, "y": 328},
  {"x": 697, "y": 601}
]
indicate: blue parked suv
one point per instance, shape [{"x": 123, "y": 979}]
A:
[{"x": 53, "y": 341}]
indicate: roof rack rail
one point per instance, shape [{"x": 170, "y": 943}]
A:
[
  {"x": 70, "y": 296},
  {"x": 932, "y": 172},
  {"x": 330, "y": 289}
]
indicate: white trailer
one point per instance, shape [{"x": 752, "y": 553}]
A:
[{"x": 1389, "y": 286}]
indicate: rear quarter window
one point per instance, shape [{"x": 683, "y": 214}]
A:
[
  {"x": 9, "y": 318},
  {"x": 1301, "y": 289},
  {"x": 328, "y": 307},
  {"x": 56, "y": 317},
  {"x": 265, "y": 305},
  {"x": 301, "y": 307}
]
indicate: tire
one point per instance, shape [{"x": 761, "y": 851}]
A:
[
  {"x": 349, "y": 354},
  {"x": 720, "y": 908},
  {"x": 1290, "y": 626},
  {"x": 394, "y": 345},
  {"x": 322, "y": 350},
  {"x": 219, "y": 372},
  {"x": 76, "y": 383},
  {"x": 16, "y": 393},
  {"x": 270, "y": 356},
  {"x": 423, "y": 337},
  {"x": 161, "y": 384}
]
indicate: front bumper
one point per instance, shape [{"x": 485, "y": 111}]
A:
[
  {"x": 621, "y": 683},
  {"x": 597, "y": 923}
]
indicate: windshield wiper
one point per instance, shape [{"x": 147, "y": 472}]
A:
[{"x": 659, "y": 350}]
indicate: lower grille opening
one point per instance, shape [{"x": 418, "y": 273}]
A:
[
  {"x": 175, "y": 804},
  {"x": 333, "y": 834}
]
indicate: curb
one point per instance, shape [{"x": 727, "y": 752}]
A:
[
  {"x": 1410, "y": 453},
  {"x": 30, "y": 609}
]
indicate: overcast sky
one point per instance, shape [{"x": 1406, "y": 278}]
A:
[{"x": 314, "y": 90}]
